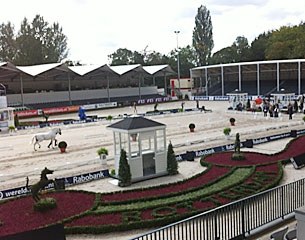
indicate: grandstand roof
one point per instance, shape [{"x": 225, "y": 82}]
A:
[
  {"x": 159, "y": 70},
  {"x": 39, "y": 69},
  {"x": 247, "y": 66},
  {"x": 86, "y": 69},
  {"x": 55, "y": 69}
]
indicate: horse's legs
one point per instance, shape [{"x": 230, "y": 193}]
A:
[
  {"x": 55, "y": 142},
  {"x": 50, "y": 144}
]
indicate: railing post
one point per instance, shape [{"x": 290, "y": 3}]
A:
[{"x": 243, "y": 218}]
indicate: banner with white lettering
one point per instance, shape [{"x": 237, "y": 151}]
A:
[
  {"x": 82, "y": 178},
  {"x": 190, "y": 155}
]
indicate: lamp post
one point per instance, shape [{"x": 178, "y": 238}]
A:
[{"x": 178, "y": 60}]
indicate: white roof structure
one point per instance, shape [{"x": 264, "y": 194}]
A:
[
  {"x": 159, "y": 70},
  {"x": 85, "y": 69},
  {"x": 35, "y": 70},
  {"x": 123, "y": 69}
]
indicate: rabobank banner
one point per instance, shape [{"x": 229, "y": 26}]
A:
[
  {"x": 190, "y": 155},
  {"x": 82, "y": 178}
]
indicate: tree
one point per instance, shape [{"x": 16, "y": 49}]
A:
[
  {"x": 172, "y": 165},
  {"x": 124, "y": 170},
  {"x": 286, "y": 43},
  {"x": 35, "y": 43},
  {"x": 259, "y": 46},
  {"x": 7, "y": 43},
  {"x": 187, "y": 60},
  {"x": 123, "y": 56},
  {"x": 225, "y": 55},
  {"x": 241, "y": 47},
  {"x": 203, "y": 36}
]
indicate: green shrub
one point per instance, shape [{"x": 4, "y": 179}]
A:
[
  {"x": 101, "y": 151},
  {"x": 124, "y": 170},
  {"x": 109, "y": 118},
  {"x": 45, "y": 204},
  {"x": 227, "y": 131}
]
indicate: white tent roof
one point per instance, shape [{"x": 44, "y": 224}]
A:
[
  {"x": 122, "y": 69},
  {"x": 159, "y": 69},
  {"x": 38, "y": 69},
  {"x": 85, "y": 69}
]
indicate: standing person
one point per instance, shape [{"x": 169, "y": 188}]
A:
[
  {"x": 197, "y": 104},
  {"x": 290, "y": 111},
  {"x": 182, "y": 106},
  {"x": 295, "y": 106},
  {"x": 135, "y": 108},
  {"x": 276, "y": 110},
  {"x": 265, "y": 109}
]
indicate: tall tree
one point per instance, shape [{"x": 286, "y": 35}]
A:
[
  {"x": 203, "y": 36},
  {"x": 258, "y": 47},
  {"x": 187, "y": 60},
  {"x": 241, "y": 47},
  {"x": 124, "y": 170},
  {"x": 286, "y": 43},
  {"x": 225, "y": 55},
  {"x": 8, "y": 49},
  {"x": 123, "y": 56},
  {"x": 35, "y": 43},
  {"x": 172, "y": 165}
]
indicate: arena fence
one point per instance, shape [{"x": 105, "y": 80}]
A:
[{"x": 237, "y": 220}]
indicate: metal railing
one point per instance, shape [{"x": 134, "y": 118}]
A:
[{"x": 236, "y": 220}]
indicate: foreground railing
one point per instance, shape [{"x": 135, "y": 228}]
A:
[{"x": 236, "y": 220}]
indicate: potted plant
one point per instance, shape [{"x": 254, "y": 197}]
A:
[
  {"x": 192, "y": 127},
  {"x": 227, "y": 132},
  {"x": 11, "y": 129},
  {"x": 232, "y": 121},
  {"x": 102, "y": 152},
  {"x": 62, "y": 145},
  {"x": 109, "y": 118}
]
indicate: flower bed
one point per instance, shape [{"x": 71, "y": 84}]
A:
[{"x": 85, "y": 212}]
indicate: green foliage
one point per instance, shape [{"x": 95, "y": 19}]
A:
[
  {"x": 102, "y": 150},
  {"x": 238, "y": 156},
  {"x": 303, "y": 118},
  {"x": 109, "y": 118},
  {"x": 203, "y": 36},
  {"x": 286, "y": 43},
  {"x": 124, "y": 170},
  {"x": 112, "y": 172},
  {"x": 172, "y": 164},
  {"x": 11, "y": 128},
  {"x": 227, "y": 131},
  {"x": 36, "y": 42},
  {"x": 62, "y": 144},
  {"x": 45, "y": 204}
]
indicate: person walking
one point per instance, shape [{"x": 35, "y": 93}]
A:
[{"x": 290, "y": 111}]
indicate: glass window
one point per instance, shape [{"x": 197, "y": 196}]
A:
[
  {"x": 148, "y": 144},
  {"x": 160, "y": 140},
  {"x": 134, "y": 145},
  {"x": 117, "y": 143}
]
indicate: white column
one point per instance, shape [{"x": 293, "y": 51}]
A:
[
  {"x": 222, "y": 83},
  {"x": 257, "y": 79}
]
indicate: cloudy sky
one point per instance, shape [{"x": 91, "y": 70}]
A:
[{"x": 97, "y": 28}]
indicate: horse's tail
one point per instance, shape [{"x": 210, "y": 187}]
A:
[{"x": 32, "y": 141}]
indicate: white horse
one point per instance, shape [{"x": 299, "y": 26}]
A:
[{"x": 39, "y": 137}]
